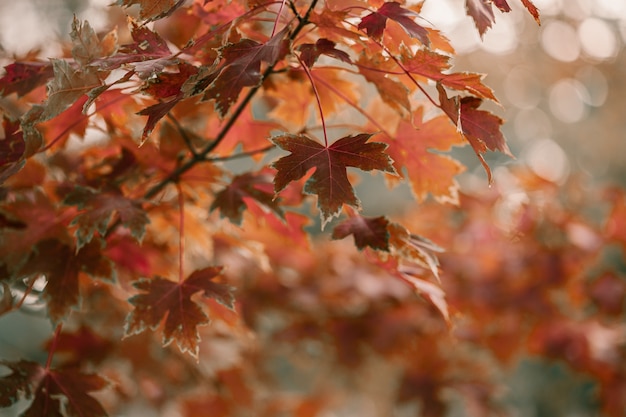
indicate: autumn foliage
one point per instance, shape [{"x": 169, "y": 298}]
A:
[{"x": 182, "y": 279}]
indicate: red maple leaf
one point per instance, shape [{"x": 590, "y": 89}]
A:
[
  {"x": 242, "y": 68},
  {"x": 148, "y": 53},
  {"x": 367, "y": 231},
  {"x": 309, "y": 52},
  {"x": 482, "y": 12},
  {"x": 330, "y": 180},
  {"x": 49, "y": 387},
  {"x": 23, "y": 77},
  {"x": 164, "y": 299},
  {"x": 374, "y": 23},
  {"x": 232, "y": 200}
]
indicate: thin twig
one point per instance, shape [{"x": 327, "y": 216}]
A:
[
  {"x": 183, "y": 133},
  {"x": 201, "y": 156},
  {"x": 240, "y": 155}
]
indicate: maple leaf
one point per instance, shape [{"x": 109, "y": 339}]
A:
[
  {"x": 150, "y": 10},
  {"x": 374, "y": 23},
  {"x": 155, "y": 113},
  {"x": 23, "y": 77},
  {"x": 12, "y": 148},
  {"x": 482, "y": 13},
  {"x": 60, "y": 264},
  {"x": 67, "y": 86},
  {"x": 98, "y": 209},
  {"x": 167, "y": 88},
  {"x": 330, "y": 180},
  {"x": 413, "y": 146},
  {"x": 87, "y": 46},
  {"x": 163, "y": 299},
  {"x": 432, "y": 65},
  {"x": 232, "y": 200},
  {"x": 367, "y": 231},
  {"x": 310, "y": 52},
  {"x": 148, "y": 53},
  {"x": 481, "y": 128},
  {"x": 28, "y": 378},
  {"x": 532, "y": 9},
  {"x": 242, "y": 68}
]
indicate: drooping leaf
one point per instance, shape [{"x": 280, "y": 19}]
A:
[
  {"x": 242, "y": 68},
  {"x": 367, "y": 231},
  {"x": 481, "y": 128},
  {"x": 310, "y": 52},
  {"x": 470, "y": 82},
  {"x": 482, "y": 14},
  {"x": 155, "y": 113},
  {"x": 98, "y": 209},
  {"x": 532, "y": 9},
  {"x": 416, "y": 147},
  {"x": 153, "y": 9},
  {"x": 162, "y": 299},
  {"x": 329, "y": 180},
  {"x": 23, "y": 77},
  {"x": 374, "y": 23},
  {"x": 414, "y": 249},
  {"x": 257, "y": 187}
]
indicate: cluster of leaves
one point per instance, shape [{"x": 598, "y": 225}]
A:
[{"x": 147, "y": 220}]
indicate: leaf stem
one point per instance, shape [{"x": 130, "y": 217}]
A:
[
  {"x": 280, "y": 11},
  {"x": 240, "y": 155},
  {"x": 53, "y": 345},
  {"x": 317, "y": 98},
  {"x": 181, "y": 233},
  {"x": 182, "y": 133}
]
